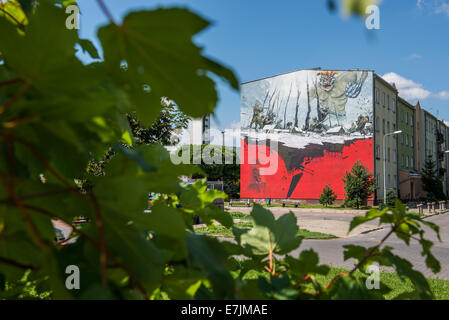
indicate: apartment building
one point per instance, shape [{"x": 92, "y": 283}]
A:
[
  {"x": 326, "y": 120},
  {"x": 385, "y": 110},
  {"x": 409, "y": 178}
]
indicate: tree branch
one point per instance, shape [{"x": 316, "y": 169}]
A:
[
  {"x": 35, "y": 234},
  {"x": 43, "y": 161},
  {"x": 17, "y": 264},
  {"x": 94, "y": 243},
  {"x": 15, "y": 97},
  {"x": 10, "y": 81},
  {"x": 103, "y": 252}
]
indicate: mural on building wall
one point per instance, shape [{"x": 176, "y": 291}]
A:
[{"x": 321, "y": 122}]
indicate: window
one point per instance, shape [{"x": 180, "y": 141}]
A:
[
  {"x": 406, "y": 139},
  {"x": 403, "y": 160},
  {"x": 388, "y": 126},
  {"x": 393, "y": 104},
  {"x": 395, "y": 159},
  {"x": 388, "y": 180},
  {"x": 395, "y": 181},
  {"x": 402, "y": 115},
  {"x": 406, "y": 162},
  {"x": 378, "y": 151},
  {"x": 377, "y": 95},
  {"x": 406, "y": 118},
  {"x": 388, "y": 158},
  {"x": 388, "y": 101},
  {"x": 377, "y": 124},
  {"x": 383, "y": 126},
  {"x": 411, "y": 141},
  {"x": 383, "y": 99}
]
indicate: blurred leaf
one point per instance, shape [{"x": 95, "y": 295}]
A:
[
  {"x": 269, "y": 235},
  {"x": 151, "y": 57}
]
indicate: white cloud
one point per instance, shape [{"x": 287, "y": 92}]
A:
[
  {"x": 414, "y": 56},
  {"x": 414, "y": 93},
  {"x": 408, "y": 89},
  {"x": 434, "y": 6},
  {"x": 442, "y": 7},
  {"x": 444, "y": 95}
]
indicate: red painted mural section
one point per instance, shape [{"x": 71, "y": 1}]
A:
[{"x": 313, "y": 173}]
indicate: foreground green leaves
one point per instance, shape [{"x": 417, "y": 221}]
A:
[
  {"x": 156, "y": 57},
  {"x": 57, "y": 115}
]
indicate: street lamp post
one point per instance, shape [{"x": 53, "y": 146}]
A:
[
  {"x": 385, "y": 163},
  {"x": 223, "y": 137}
]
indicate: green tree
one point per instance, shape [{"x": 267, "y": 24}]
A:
[
  {"x": 327, "y": 197},
  {"x": 227, "y": 168},
  {"x": 432, "y": 183},
  {"x": 391, "y": 198},
  {"x": 359, "y": 185},
  {"x": 170, "y": 120}
]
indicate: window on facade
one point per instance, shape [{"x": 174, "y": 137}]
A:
[
  {"x": 388, "y": 158},
  {"x": 406, "y": 162},
  {"x": 393, "y": 104},
  {"x": 403, "y": 160},
  {"x": 377, "y": 151},
  {"x": 383, "y": 99},
  {"x": 411, "y": 141},
  {"x": 388, "y": 180},
  {"x": 383, "y": 126},
  {"x": 377, "y": 95},
  {"x": 388, "y": 101},
  {"x": 377, "y": 124},
  {"x": 406, "y": 139},
  {"x": 395, "y": 159},
  {"x": 406, "y": 118},
  {"x": 388, "y": 126},
  {"x": 395, "y": 181}
]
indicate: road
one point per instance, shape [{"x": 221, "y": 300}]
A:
[{"x": 331, "y": 251}]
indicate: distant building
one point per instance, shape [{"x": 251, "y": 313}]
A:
[
  {"x": 325, "y": 120},
  {"x": 410, "y": 186},
  {"x": 385, "y": 110},
  {"x": 199, "y": 130}
]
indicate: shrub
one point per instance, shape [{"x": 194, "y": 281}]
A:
[{"x": 327, "y": 197}]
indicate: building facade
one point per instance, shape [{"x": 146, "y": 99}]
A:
[
  {"x": 325, "y": 121},
  {"x": 385, "y": 110},
  {"x": 409, "y": 177}
]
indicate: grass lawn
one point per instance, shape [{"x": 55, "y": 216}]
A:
[
  {"x": 310, "y": 205},
  {"x": 222, "y": 231},
  {"x": 240, "y": 215},
  {"x": 440, "y": 288}
]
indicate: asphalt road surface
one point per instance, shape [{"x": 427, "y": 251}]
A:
[{"x": 331, "y": 251}]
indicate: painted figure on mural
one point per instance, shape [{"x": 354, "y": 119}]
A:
[
  {"x": 257, "y": 118},
  {"x": 331, "y": 92}
]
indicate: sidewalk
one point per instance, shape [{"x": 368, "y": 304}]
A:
[{"x": 331, "y": 221}]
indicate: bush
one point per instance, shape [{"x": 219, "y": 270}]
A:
[
  {"x": 391, "y": 198},
  {"x": 328, "y": 196},
  {"x": 359, "y": 185}
]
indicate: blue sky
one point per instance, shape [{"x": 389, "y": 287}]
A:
[{"x": 265, "y": 37}]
